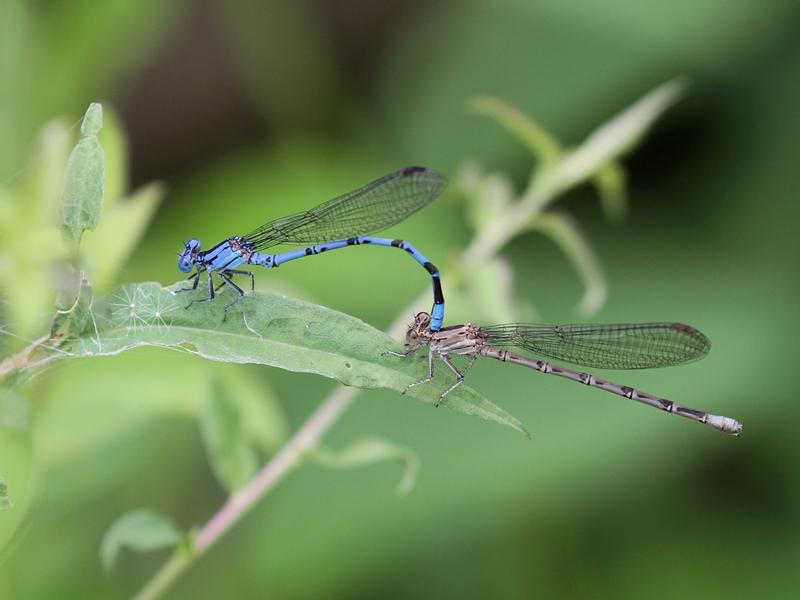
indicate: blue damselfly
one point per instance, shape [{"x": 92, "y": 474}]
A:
[
  {"x": 346, "y": 220},
  {"x": 620, "y": 346}
]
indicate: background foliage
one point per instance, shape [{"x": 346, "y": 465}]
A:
[{"x": 248, "y": 110}]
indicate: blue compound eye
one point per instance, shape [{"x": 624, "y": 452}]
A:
[
  {"x": 185, "y": 263},
  {"x": 187, "y": 257}
]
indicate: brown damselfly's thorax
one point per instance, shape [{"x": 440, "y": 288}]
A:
[{"x": 459, "y": 339}]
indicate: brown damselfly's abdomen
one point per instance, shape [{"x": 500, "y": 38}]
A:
[{"x": 724, "y": 424}]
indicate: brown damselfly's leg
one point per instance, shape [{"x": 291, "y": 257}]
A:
[
  {"x": 459, "y": 374},
  {"x": 430, "y": 371}
]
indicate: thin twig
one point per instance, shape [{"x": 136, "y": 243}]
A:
[
  {"x": 242, "y": 501},
  {"x": 22, "y": 359}
]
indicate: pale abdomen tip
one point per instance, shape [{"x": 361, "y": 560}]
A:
[{"x": 725, "y": 424}]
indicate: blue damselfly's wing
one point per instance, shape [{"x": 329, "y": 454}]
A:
[
  {"x": 616, "y": 346},
  {"x": 367, "y": 210}
]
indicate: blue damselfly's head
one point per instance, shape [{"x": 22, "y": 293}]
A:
[{"x": 188, "y": 257}]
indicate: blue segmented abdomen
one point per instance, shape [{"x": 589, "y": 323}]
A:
[
  {"x": 437, "y": 313},
  {"x": 437, "y": 316},
  {"x": 309, "y": 251},
  {"x": 275, "y": 260}
]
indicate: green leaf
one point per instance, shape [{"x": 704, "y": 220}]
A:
[
  {"x": 14, "y": 410},
  {"x": 565, "y": 233},
  {"x": 610, "y": 184},
  {"x": 540, "y": 142},
  {"x": 82, "y": 197},
  {"x": 368, "y": 451},
  {"x": 139, "y": 530},
  {"x": 266, "y": 329},
  {"x": 263, "y": 420},
  {"x": 92, "y": 120},
  {"x": 232, "y": 457},
  {"x": 114, "y": 142},
  {"x": 5, "y": 499},
  {"x": 621, "y": 134},
  {"x": 611, "y": 141}
]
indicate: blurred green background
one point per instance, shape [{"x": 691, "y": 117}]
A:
[{"x": 250, "y": 110}]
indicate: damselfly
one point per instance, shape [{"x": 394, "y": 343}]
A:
[
  {"x": 623, "y": 346},
  {"x": 347, "y": 220}
]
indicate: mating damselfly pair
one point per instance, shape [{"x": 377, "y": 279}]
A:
[{"x": 350, "y": 219}]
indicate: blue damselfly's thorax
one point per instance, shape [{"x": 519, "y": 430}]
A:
[{"x": 227, "y": 254}]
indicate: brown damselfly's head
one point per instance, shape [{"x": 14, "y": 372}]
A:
[{"x": 415, "y": 332}]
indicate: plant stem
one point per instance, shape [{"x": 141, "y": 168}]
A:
[
  {"x": 304, "y": 440},
  {"x": 22, "y": 359},
  {"x": 243, "y": 500},
  {"x": 176, "y": 565}
]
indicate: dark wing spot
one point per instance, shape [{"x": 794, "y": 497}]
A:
[{"x": 411, "y": 170}]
